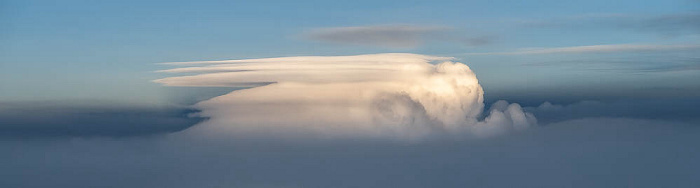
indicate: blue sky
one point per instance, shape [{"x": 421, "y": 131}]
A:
[{"x": 108, "y": 51}]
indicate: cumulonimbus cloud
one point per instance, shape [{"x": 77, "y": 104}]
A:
[{"x": 401, "y": 95}]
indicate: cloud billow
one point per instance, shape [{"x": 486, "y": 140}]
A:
[{"x": 376, "y": 95}]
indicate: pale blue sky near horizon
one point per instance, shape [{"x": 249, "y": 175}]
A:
[{"x": 108, "y": 51}]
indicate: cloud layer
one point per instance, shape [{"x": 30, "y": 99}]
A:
[
  {"x": 599, "y": 152},
  {"x": 396, "y": 95},
  {"x": 50, "y": 119}
]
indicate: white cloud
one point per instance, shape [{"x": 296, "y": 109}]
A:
[{"x": 396, "y": 95}]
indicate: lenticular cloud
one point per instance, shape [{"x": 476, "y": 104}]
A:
[{"x": 386, "y": 95}]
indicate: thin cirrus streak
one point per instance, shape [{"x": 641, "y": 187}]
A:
[
  {"x": 377, "y": 95},
  {"x": 596, "y": 49}
]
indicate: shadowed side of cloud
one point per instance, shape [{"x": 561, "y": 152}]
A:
[{"x": 32, "y": 120}]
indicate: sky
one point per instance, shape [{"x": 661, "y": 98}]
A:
[
  {"x": 421, "y": 93},
  {"x": 109, "y": 50}
]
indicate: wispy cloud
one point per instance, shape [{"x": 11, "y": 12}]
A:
[
  {"x": 393, "y": 36},
  {"x": 596, "y": 49},
  {"x": 667, "y": 25},
  {"x": 653, "y": 64}
]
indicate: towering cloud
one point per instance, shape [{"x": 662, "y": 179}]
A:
[{"x": 383, "y": 95}]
